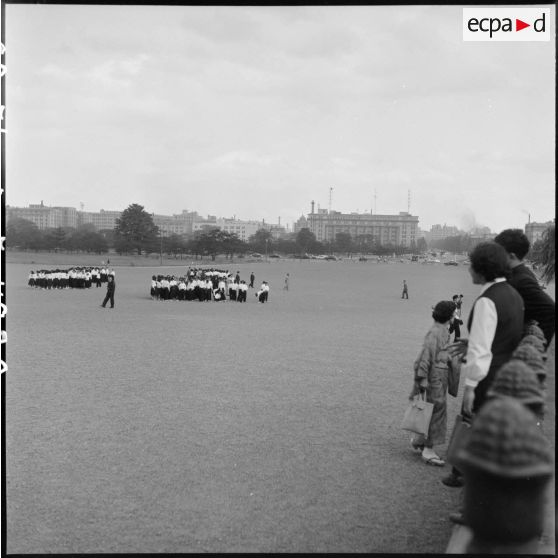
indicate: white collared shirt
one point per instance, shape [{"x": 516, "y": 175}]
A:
[{"x": 481, "y": 336}]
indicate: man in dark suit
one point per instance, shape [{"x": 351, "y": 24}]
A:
[
  {"x": 110, "y": 292},
  {"x": 538, "y": 305}
]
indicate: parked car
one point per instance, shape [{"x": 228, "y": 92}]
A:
[
  {"x": 451, "y": 263},
  {"x": 255, "y": 255},
  {"x": 331, "y": 258},
  {"x": 274, "y": 256}
]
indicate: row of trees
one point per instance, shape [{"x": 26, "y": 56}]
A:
[{"x": 25, "y": 235}]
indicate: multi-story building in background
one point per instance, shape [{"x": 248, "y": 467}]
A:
[
  {"x": 397, "y": 230},
  {"x": 302, "y": 223},
  {"x": 439, "y": 232},
  {"x": 101, "y": 220},
  {"x": 534, "y": 231},
  {"x": 181, "y": 224},
  {"x": 43, "y": 216}
]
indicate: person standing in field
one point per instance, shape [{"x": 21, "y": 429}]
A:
[
  {"x": 263, "y": 293},
  {"x": 111, "y": 286},
  {"x": 252, "y": 279},
  {"x": 286, "y": 286},
  {"x": 457, "y": 322},
  {"x": 405, "y": 293},
  {"x": 431, "y": 379}
]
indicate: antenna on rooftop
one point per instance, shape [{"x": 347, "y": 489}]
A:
[
  {"x": 375, "y": 209},
  {"x": 81, "y": 205},
  {"x": 408, "y": 201},
  {"x": 330, "y": 191}
]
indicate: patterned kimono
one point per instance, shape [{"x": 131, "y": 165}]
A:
[{"x": 431, "y": 370}]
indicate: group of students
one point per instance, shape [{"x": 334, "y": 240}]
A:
[
  {"x": 72, "y": 278},
  {"x": 204, "y": 285},
  {"x": 502, "y": 365}
]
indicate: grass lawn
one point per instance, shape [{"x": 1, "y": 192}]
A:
[{"x": 225, "y": 427}]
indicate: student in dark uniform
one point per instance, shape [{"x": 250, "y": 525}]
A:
[
  {"x": 405, "y": 293},
  {"x": 110, "y": 292},
  {"x": 252, "y": 279}
]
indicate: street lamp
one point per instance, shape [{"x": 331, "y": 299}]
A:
[{"x": 266, "y": 242}]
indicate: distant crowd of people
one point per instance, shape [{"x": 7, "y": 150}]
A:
[
  {"x": 72, "y": 278},
  {"x": 204, "y": 285}
]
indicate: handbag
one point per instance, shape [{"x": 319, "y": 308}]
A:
[
  {"x": 459, "y": 438},
  {"x": 417, "y": 415},
  {"x": 454, "y": 375}
]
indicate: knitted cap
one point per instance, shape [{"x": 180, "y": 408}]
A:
[
  {"x": 535, "y": 341},
  {"x": 516, "y": 379},
  {"x": 506, "y": 441},
  {"x": 530, "y": 356},
  {"x": 532, "y": 328},
  {"x": 444, "y": 310}
]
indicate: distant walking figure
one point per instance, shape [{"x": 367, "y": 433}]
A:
[
  {"x": 405, "y": 293},
  {"x": 110, "y": 292},
  {"x": 252, "y": 279},
  {"x": 286, "y": 286}
]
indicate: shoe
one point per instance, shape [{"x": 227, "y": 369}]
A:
[
  {"x": 434, "y": 460},
  {"x": 415, "y": 446},
  {"x": 455, "y": 481},
  {"x": 457, "y": 518}
]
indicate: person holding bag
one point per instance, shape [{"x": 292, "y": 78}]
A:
[{"x": 431, "y": 368}]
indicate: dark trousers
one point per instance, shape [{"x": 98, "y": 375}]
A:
[{"x": 110, "y": 296}]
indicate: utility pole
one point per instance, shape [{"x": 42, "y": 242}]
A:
[
  {"x": 408, "y": 201},
  {"x": 161, "y": 244},
  {"x": 375, "y": 208},
  {"x": 330, "y": 191}
]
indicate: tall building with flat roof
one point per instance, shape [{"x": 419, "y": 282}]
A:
[
  {"x": 397, "y": 230},
  {"x": 45, "y": 217},
  {"x": 101, "y": 220}
]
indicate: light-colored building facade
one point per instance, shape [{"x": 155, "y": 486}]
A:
[
  {"x": 535, "y": 231},
  {"x": 180, "y": 224},
  {"x": 439, "y": 232},
  {"x": 302, "y": 223},
  {"x": 43, "y": 216},
  {"x": 101, "y": 220},
  {"x": 397, "y": 230}
]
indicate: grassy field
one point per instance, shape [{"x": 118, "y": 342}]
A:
[{"x": 224, "y": 427}]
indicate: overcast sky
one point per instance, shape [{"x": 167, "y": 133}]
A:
[{"x": 254, "y": 112}]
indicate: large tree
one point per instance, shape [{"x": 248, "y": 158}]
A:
[
  {"x": 305, "y": 240},
  {"x": 134, "y": 230},
  {"x": 24, "y": 234},
  {"x": 547, "y": 254},
  {"x": 261, "y": 240}
]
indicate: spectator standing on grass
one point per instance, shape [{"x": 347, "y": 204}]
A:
[
  {"x": 111, "y": 286},
  {"x": 405, "y": 293},
  {"x": 538, "y": 304},
  {"x": 431, "y": 379},
  {"x": 495, "y": 328},
  {"x": 252, "y": 279},
  {"x": 263, "y": 293},
  {"x": 457, "y": 322},
  {"x": 286, "y": 286}
]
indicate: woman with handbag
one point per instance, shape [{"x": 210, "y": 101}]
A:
[{"x": 432, "y": 367}]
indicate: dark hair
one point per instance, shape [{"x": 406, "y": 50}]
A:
[
  {"x": 454, "y": 297},
  {"x": 489, "y": 260},
  {"x": 443, "y": 311},
  {"x": 514, "y": 241}
]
